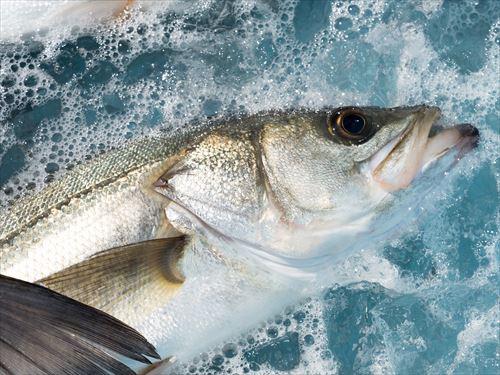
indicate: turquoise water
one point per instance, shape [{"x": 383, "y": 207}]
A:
[{"x": 425, "y": 302}]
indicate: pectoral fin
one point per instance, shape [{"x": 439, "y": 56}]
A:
[
  {"x": 126, "y": 282},
  {"x": 44, "y": 332}
]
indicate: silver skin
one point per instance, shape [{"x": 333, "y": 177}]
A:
[{"x": 273, "y": 190}]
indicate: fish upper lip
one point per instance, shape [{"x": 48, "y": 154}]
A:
[
  {"x": 470, "y": 138},
  {"x": 468, "y": 130}
]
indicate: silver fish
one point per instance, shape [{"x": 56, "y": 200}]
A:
[{"x": 132, "y": 233}]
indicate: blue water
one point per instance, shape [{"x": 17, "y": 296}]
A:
[{"x": 425, "y": 303}]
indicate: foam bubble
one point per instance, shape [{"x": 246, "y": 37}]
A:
[{"x": 293, "y": 340}]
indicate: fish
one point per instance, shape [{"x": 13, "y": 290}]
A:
[{"x": 169, "y": 232}]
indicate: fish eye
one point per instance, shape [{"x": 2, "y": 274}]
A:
[{"x": 350, "y": 125}]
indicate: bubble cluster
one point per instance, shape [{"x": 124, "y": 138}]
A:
[
  {"x": 459, "y": 34},
  {"x": 293, "y": 341}
]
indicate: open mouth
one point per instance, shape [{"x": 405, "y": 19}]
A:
[{"x": 419, "y": 145}]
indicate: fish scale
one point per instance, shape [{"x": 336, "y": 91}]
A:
[{"x": 82, "y": 180}]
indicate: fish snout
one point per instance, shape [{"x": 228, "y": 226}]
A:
[
  {"x": 419, "y": 146},
  {"x": 468, "y": 130},
  {"x": 469, "y": 138}
]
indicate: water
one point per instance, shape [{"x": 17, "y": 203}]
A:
[{"x": 427, "y": 302}]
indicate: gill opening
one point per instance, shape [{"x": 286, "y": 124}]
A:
[{"x": 268, "y": 194}]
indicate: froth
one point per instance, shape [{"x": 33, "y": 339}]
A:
[{"x": 294, "y": 340}]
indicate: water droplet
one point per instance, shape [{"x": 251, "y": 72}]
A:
[
  {"x": 308, "y": 340},
  {"x": 51, "y": 167},
  {"x": 353, "y": 9}
]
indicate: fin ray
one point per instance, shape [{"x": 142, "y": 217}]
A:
[{"x": 108, "y": 280}]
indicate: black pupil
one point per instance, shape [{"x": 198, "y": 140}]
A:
[{"x": 353, "y": 123}]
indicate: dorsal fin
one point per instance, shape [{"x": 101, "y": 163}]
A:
[{"x": 44, "y": 332}]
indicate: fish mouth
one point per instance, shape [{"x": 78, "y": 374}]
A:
[{"x": 417, "y": 147}]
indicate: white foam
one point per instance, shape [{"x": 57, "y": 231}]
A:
[
  {"x": 481, "y": 328},
  {"x": 312, "y": 356}
]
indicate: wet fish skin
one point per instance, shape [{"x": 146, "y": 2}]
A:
[
  {"x": 271, "y": 184},
  {"x": 241, "y": 176},
  {"x": 83, "y": 180},
  {"x": 283, "y": 181},
  {"x": 118, "y": 213},
  {"x": 112, "y": 196}
]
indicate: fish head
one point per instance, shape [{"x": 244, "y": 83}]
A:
[
  {"x": 293, "y": 186},
  {"x": 331, "y": 172}
]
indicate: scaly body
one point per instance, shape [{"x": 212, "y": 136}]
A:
[{"x": 93, "y": 208}]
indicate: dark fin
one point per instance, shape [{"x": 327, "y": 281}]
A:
[
  {"x": 44, "y": 332},
  {"x": 122, "y": 279}
]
